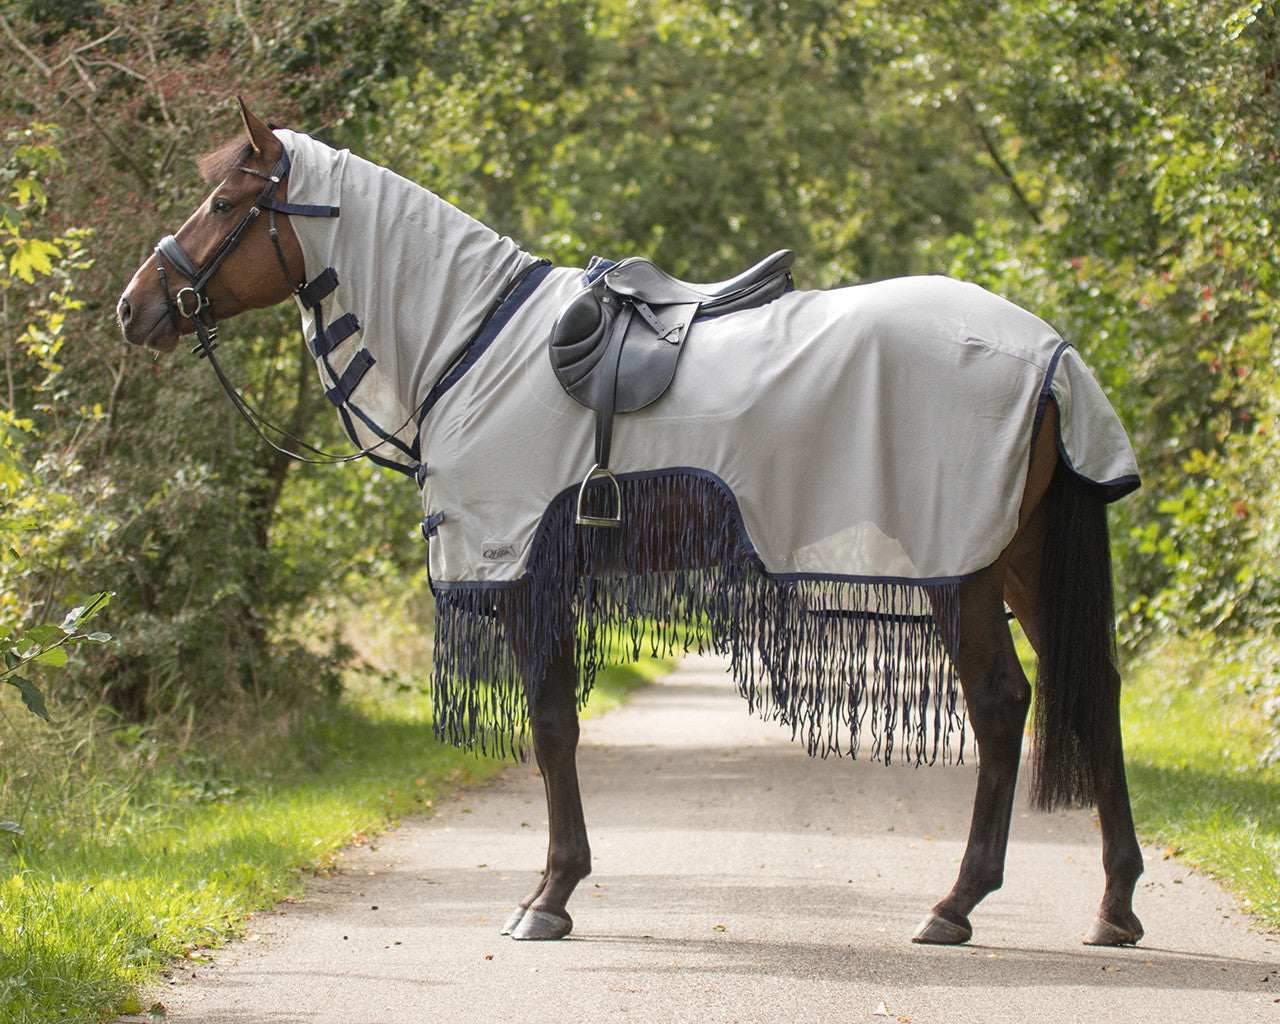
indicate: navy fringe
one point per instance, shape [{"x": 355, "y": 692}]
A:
[{"x": 831, "y": 658}]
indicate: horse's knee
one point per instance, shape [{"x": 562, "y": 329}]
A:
[{"x": 553, "y": 723}]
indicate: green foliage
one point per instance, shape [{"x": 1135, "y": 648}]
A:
[
  {"x": 32, "y": 514},
  {"x": 44, "y": 645},
  {"x": 1141, "y": 137},
  {"x": 162, "y": 496},
  {"x": 700, "y": 134},
  {"x": 1109, "y": 165},
  {"x": 47, "y": 644}
]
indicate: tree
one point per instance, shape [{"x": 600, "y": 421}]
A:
[
  {"x": 1110, "y": 165},
  {"x": 183, "y": 499},
  {"x": 700, "y": 134}
]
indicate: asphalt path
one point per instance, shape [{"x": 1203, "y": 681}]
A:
[{"x": 735, "y": 880}]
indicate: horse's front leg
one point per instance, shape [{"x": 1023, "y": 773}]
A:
[{"x": 554, "y": 724}]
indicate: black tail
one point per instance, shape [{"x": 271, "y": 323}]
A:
[{"x": 1077, "y": 705}]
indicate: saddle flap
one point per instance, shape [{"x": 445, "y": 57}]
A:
[
  {"x": 608, "y": 356},
  {"x": 647, "y": 362},
  {"x": 578, "y": 340}
]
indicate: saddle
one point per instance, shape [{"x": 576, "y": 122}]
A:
[{"x": 615, "y": 346}]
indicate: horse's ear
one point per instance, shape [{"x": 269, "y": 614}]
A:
[{"x": 259, "y": 134}]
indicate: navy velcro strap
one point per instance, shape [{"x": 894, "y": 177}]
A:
[
  {"x": 420, "y": 474},
  {"x": 333, "y": 335},
  {"x": 351, "y": 378},
  {"x": 325, "y": 282},
  {"x": 299, "y": 209},
  {"x": 507, "y": 307},
  {"x": 431, "y": 524}
]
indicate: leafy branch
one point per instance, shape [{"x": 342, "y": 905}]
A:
[{"x": 46, "y": 644}]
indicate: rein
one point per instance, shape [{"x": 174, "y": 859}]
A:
[{"x": 193, "y": 303}]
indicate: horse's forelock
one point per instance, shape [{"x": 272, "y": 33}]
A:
[{"x": 226, "y": 158}]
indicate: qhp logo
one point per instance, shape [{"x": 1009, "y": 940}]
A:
[{"x": 497, "y": 551}]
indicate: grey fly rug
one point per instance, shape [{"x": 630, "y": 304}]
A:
[{"x": 841, "y": 460}]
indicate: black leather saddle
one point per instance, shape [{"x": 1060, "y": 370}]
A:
[{"x": 615, "y": 346}]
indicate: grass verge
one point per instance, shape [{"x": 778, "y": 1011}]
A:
[
  {"x": 1193, "y": 745},
  {"x": 165, "y": 854}
]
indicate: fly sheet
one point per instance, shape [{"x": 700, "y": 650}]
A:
[{"x": 840, "y": 461}]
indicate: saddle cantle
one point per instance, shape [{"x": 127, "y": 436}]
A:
[{"x": 615, "y": 346}]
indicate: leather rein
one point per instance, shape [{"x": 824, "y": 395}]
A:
[{"x": 193, "y": 303}]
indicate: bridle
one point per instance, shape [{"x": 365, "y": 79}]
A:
[{"x": 193, "y": 303}]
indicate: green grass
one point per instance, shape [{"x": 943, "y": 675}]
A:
[
  {"x": 1193, "y": 745},
  {"x": 92, "y": 903},
  {"x": 141, "y": 854}
]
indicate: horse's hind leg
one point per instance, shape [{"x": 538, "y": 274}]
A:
[
  {"x": 554, "y": 724},
  {"x": 1116, "y": 923},
  {"x": 997, "y": 695}
]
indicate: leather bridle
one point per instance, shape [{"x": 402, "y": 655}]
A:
[{"x": 193, "y": 303}]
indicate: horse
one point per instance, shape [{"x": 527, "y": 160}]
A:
[{"x": 705, "y": 547}]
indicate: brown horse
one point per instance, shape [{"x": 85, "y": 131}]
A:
[{"x": 1055, "y": 576}]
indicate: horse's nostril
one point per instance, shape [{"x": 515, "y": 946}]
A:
[{"x": 123, "y": 310}]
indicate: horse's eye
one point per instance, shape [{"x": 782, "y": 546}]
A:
[{"x": 222, "y": 206}]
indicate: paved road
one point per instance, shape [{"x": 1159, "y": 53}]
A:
[{"x": 736, "y": 880}]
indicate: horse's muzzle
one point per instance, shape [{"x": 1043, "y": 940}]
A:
[{"x": 139, "y": 329}]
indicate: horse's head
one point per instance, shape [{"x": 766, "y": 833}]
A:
[{"x": 223, "y": 260}]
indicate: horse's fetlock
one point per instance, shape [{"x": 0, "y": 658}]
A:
[
  {"x": 1126, "y": 868},
  {"x": 985, "y": 882},
  {"x": 571, "y": 865}
]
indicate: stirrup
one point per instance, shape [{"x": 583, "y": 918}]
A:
[{"x": 599, "y": 472}]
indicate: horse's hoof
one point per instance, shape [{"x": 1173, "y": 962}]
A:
[
  {"x": 938, "y": 931},
  {"x": 1105, "y": 933},
  {"x": 514, "y": 920},
  {"x": 539, "y": 924}
]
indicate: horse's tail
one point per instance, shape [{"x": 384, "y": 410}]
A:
[{"x": 1077, "y": 704}]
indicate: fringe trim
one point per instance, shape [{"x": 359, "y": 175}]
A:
[{"x": 831, "y": 658}]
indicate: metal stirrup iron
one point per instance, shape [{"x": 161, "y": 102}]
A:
[{"x": 599, "y": 472}]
